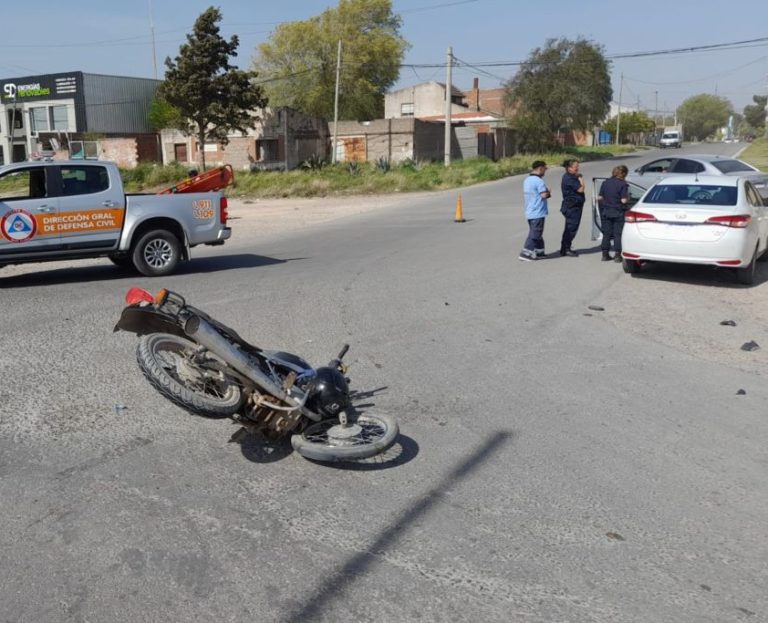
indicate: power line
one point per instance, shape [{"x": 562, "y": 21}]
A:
[
  {"x": 717, "y": 75},
  {"x": 438, "y": 6}
]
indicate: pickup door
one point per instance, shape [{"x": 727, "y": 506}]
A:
[
  {"x": 91, "y": 209},
  {"x": 25, "y": 199}
]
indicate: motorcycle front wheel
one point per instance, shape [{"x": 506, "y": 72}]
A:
[
  {"x": 364, "y": 437},
  {"x": 167, "y": 362}
]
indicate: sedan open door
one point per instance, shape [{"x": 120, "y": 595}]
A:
[{"x": 635, "y": 194}]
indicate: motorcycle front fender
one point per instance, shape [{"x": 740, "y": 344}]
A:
[{"x": 145, "y": 320}]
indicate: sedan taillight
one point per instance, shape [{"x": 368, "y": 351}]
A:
[
  {"x": 638, "y": 217},
  {"x": 734, "y": 220}
]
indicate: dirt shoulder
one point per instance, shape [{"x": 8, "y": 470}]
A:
[{"x": 268, "y": 217}]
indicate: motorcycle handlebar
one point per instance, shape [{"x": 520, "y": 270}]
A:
[{"x": 343, "y": 352}]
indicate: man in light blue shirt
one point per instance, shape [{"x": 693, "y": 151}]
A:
[{"x": 536, "y": 193}]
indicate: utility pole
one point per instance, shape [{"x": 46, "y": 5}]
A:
[
  {"x": 13, "y": 128},
  {"x": 448, "y": 106},
  {"x": 152, "y": 31},
  {"x": 766, "y": 112},
  {"x": 336, "y": 105},
  {"x": 655, "y": 117},
  {"x": 618, "y": 114}
]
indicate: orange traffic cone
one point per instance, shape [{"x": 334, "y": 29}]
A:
[{"x": 459, "y": 218}]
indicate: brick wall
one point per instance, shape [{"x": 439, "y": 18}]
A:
[{"x": 120, "y": 150}]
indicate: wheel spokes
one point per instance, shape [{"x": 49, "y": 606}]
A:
[{"x": 371, "y": 431}]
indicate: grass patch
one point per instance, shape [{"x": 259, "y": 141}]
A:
[
  {"x": 152, "y": 177},
  {"x": 757, "y": 154},
  {"x": 367, "y": 178}
]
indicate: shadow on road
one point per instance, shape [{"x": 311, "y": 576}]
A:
[
  {"x": 108, "y": 272},
  {"x": 699, "y": 275},
  {"x": 404, "y": 450},
  {"x": 335, "y": 584},
  {"x": 257, "y": 449}
]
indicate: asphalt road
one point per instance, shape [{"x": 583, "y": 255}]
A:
[{"x": 556, "y": 463}]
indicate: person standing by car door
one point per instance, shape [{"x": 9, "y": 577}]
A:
[
  {"x": 535, "y": 193},
  {"x": 612, "y": 202},
  {"x": 572, "y": 186}
]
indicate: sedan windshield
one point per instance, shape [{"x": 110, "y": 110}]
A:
[
  {"x": 731, "y": 166},
  {"x": 692, "y": 194}
]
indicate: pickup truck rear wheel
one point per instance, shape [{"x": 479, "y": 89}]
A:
[{"x": 156, "y": 253}]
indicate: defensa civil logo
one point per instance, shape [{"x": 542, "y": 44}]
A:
[{"x": 18, "y": 226}]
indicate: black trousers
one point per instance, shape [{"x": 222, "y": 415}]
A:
[
  {"x": 572, "y": 222},
  {"x": 535, "y": 240},
  {"x": 612, "y": 227}
]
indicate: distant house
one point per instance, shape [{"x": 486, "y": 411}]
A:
[
  {"x": 421, "y": 100},
  {"x": 283, "y": 138},
  {"x": 477, "y": 116}
]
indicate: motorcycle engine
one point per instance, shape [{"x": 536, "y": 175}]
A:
[{"x": 270, "y": 422}]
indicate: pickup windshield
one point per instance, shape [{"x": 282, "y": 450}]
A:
[{"x": 693, "y": 194}]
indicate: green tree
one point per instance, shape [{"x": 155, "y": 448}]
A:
[
  {"x": 631, "y": 123},
  {"x": 754, "y": 114},
  {"x": 213, "y": 96},
  {"x": 702, "y": 115},
  {"x": 564, "y": 85},
  {"x": 299, "y": 60},
  {"x": 164, "y": 115}
]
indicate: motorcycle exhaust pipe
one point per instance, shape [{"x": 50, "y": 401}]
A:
[{"x": 204, "y": 334}]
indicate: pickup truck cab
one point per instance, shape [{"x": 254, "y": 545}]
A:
[{"x": 73, "y": 209}]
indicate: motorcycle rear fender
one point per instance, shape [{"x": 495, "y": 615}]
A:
[{"x": 145, "y": 320}]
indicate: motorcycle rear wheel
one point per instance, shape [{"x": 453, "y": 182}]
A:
[
  {"x": 328, "y": 441},
  {"x": 164, "y": 361}
]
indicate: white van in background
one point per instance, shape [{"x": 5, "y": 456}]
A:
[{"x": 672, "y": 137}]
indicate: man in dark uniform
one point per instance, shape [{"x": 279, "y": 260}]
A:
[
  {"x": 612, "y": 202},
  {"x": 572, "y": 186}
]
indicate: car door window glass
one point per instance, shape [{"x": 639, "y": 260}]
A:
[
  {"x": 83, "y": 180},
  {"x": 635, "y": 193},
  {"x": 752, "y": 196},
  {"x": 658, "y": 166},
  {"x": 687, "y": 166},
  {"x": 24, "y": 184}
]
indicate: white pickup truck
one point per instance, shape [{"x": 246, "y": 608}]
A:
[{"x": 74, "y": 209}]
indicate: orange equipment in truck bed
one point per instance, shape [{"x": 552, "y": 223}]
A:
[{"x": 215, "y": 179}]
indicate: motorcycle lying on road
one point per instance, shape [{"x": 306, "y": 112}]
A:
[{"x": 206, "y": 368}]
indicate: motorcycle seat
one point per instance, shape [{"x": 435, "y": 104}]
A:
[{"x": 287, "y": 360}]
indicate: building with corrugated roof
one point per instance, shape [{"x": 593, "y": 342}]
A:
[{"x": 79, "y": 115}]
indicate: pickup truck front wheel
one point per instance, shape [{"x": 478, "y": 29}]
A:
[
  {"x": 123, "y": 261},
  {"x": 156, "y": 253}
]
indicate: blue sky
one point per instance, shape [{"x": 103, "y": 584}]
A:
[{"x": 112, "y": 37}]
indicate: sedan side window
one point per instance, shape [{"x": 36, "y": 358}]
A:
[
  {"x": 658, "y": 166},
  {"x": 687, "y": 166},
  {"x": 635, "y": 193},
  {"x": 753, "y": 197}
]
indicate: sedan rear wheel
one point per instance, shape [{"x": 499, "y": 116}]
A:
[
  {"x": 746, "y": 274},
  {"x": 630, "y": 266}
]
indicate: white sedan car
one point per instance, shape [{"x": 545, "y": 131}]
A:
[{"x": 698, "y": 219}]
